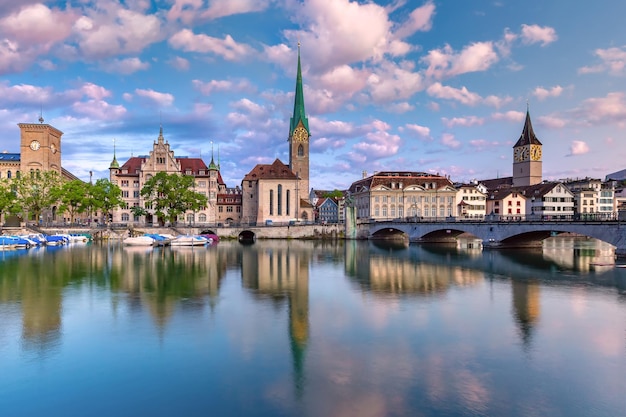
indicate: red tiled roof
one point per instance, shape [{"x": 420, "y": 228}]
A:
[{"x": 277, "y": 170}]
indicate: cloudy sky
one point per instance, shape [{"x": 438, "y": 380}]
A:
[{"x": 436, "y": 86}]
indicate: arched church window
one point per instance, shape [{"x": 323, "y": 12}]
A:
[
  {"x": 280, "y": 200},
  {"x": 300, "y": 150},
  {"x": 8, "y": 174}
]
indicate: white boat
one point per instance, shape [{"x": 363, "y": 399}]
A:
[
  {"x": 188, "y": 240},
  {"x": 139, "y": 241}
]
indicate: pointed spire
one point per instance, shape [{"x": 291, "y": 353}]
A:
[
  {"x": 160, "y": 139},
  {"x": 212, "y": 166},
  {"x": 299, "y": 114},
  {"x": 114, "y": 163},
  {"x": 528, "y": 136}
]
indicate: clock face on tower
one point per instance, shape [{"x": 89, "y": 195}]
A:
[
  {"x": 535, "y": 153},
  {"x": 53, "y": 148},
  {"x": 34, "y": 145},
  {"x": 300, "y": 134}
]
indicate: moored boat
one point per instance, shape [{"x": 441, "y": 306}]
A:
[
  {"x": 139, "y": 241},
  {"x": 189, "y": 240}
]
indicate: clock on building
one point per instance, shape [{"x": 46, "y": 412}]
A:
[
  {"x": 53, "y": 148},
  {"x": 300, "y": 134},
  {"x": 535, "y": 153},
  {"x": 35, "y": 145}
]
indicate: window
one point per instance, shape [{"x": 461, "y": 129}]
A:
[
  {"x": 190, "y": 218},
  {"x": 287, "y": 202},
  {"x": 220, "y": 209},
  {"x": 202, "y": 218},
  {"x": 136, "y": 194},
  {"x": 8, "y": 174},
  {"x": 271, "y": 202},
  {"x": 300, "y": 151},
  {"x": 125, "y": 217},
  {"x": 201, "y": 183},
  {"x": 125, "y": 194},
  {"x": 229, "y": 209},
  {"x": 280, "y": 200},
  {"x": 124, "y": 183}
]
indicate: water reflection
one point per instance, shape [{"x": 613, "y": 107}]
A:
[{"x": 346, "y": 328}]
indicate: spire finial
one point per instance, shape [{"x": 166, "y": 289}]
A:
[
  {"x": 527, "y": 106},
  {"x": 41, "y": 113}
]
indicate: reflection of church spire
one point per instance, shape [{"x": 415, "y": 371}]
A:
[
  {"x": 299, "y": 323},
  {"x": 526, "y": 308}
]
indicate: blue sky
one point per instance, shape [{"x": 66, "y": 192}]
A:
[{"x": 435, "y": 86}]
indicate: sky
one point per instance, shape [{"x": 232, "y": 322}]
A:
[{"x": 401, "y": 85}]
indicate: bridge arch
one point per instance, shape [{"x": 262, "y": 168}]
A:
[
  {"x": 246, "y": 236},
  {"x": 390, "y": 233}
]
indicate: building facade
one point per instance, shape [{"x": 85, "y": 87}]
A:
[
  {"x": 397, "y": 195},
  {"x": 136, "y": 171}
]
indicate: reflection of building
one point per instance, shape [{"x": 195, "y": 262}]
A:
[
  {"x": 382, "y": 272},
  {"x": 279, "y": 271},
  {"x": 526, "y": 307}
]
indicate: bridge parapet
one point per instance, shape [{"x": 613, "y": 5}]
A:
[{"x": 505, "y": 234}]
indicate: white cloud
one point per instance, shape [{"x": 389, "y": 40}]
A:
[
  {"x": 462, "y": 121},
  {"x": 114, "y": 30},
  {"x": 100, "y": 110},
  {"x": 420, "y": 20},
  {"x": 250, "y": 108},
  {"x": 448, "y": 140},
  {"x": 509, "y": 116},
  {"x": 538, "y": 34},
  {"x": 445, "y": 62},
  {"x": 162, "y": 99},
  {"x": 578, "y": 147},
  {"x": 543, "y": 93},
  {"x": 552, "y": 122},
  {"x": 422, "y": 131},
  {"x": 94, "y": 91},
  {"x": 207, "y": 88},
  {"x": 462, "y": 95},
  {"x": 394, "y": 82},
  {"x": 179, "y": 63},
  {"x": 609, "y": 109},
  {"x": 399, "y": 108},
  {"x": 37, "y": 24},
  {"x": 344, "y": 79},
  {"x": 379, "y": 144},
  {"x": 124, "y": 66},
  {"x": 189, "y": 11},
  {"x": 613, "y": 61},
  {"x": 227, "y": 48}
]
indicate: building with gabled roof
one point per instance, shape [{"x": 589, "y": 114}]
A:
[
  {"x": 392, "y": 195},
  {"x": 132, "y": 175}
]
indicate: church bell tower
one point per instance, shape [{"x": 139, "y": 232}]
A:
[
  {"x": 299, "y": 135},
  {"x": 527, "y": 163}
]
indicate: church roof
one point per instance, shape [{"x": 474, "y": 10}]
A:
[
  {"x": 277, "y": 170},
  {"x": 528, "y": 136},
  {"x": 4, "y": 156},
  {"x": 195, "y": 165},
  {"x": 299, "y": 115}
]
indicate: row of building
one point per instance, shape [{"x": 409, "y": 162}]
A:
[{"x": 279, "y": 193}]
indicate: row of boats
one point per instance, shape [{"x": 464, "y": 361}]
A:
[
  {"x": 39, "y": 239},
  {"x": 153, "y": 239}
]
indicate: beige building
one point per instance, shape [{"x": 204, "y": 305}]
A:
[
  {"x": 136, "y": 171},
  {"x": 471, "y": 201},
  {"x": 279, "y": 193},
  {"x": 395, "y": 195}
]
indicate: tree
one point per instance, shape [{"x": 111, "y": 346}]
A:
[
  {"x": 37, "y": 192},
  {"x": 170, "y": 195},
  {"x": 333, "y": 194},
  {"x": 8, "y": 199},
  {"x": 105, "y": 196},
  {"x": 74, "y": 198}
]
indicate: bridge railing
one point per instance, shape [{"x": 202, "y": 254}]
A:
[{"x": 495, "y": 218}]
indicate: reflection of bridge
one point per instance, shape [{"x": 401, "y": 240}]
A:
[{"x": 498, "y": 234}]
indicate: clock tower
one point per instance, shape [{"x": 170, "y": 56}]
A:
[
  {"x": 527, "y": 163},
  {"x": 40, "y": 147},
  {"x": 299, "y": 135}
]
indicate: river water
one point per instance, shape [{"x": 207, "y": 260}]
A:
[{"x": 302, "y": 328}]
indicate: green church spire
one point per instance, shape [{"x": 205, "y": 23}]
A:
[
  {"x": 212, "y": 166},
  {"x": 299, "y": 115},
  {"x": 114, "y": 163}
]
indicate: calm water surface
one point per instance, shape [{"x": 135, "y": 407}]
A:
[{"x": 290, "y": 328}]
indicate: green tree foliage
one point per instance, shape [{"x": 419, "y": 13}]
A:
[
  {"x": 37, "y": 192},
  {"x": 333, "y": 194},
  {"x": 104, "y": 196},
  {"x": 171, "y": 195},
  {"x": 8, "y": 199},
  {"x": 74, "y": 198}
]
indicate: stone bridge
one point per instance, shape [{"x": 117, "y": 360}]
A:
[{"x": 499, "y": 234}]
